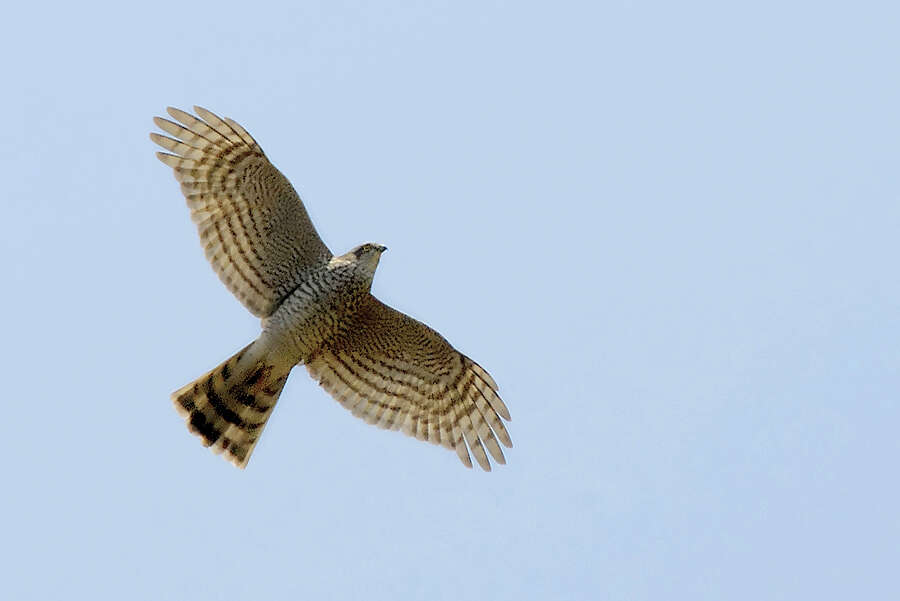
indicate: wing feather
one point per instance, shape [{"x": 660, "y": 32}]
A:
[
  {"x": 399, "y": 374},
  {"x": 253, "y": 226}
]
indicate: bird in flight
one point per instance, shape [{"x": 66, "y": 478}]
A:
[{"x": 316, "y": 310}]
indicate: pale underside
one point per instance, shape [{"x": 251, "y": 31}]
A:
[{"x": 386, "y": 367}]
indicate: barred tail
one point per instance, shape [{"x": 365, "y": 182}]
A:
[{"x": 229, "y": 406}]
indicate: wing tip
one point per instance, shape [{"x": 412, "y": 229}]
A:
[
  {"x": 463, "y": 454},
  {"x": 167, "y": 158},
  {"x": 206, "y": 114},
  {"x": 175, "y": 112}
]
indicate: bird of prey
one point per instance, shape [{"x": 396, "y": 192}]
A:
[{"x": 316, "y": 310}]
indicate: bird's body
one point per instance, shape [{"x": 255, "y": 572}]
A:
[
  {"x": 316, "y": 310},
  {"x": 311, "y": 313}
]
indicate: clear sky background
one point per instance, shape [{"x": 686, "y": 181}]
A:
[{"x": 668, "y": 229}]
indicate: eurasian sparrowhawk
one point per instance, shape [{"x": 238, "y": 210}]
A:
[{"x": 316, "y": 310}]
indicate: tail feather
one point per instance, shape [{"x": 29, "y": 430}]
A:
[{"x": 228, "y": 407}]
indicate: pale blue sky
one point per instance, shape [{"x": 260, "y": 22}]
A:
[{"x": 669, "y": 230}]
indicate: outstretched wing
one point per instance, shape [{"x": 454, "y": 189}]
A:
[
  {"x": 397, "y": 373},
  {"x": 253, "y": 226}
]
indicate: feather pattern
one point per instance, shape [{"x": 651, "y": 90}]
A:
[
  {"x": 254, "y": 228},
  {"x": 397, "y": 373}
]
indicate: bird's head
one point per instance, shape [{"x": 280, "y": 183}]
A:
[{"x": 361, "y": 261}]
